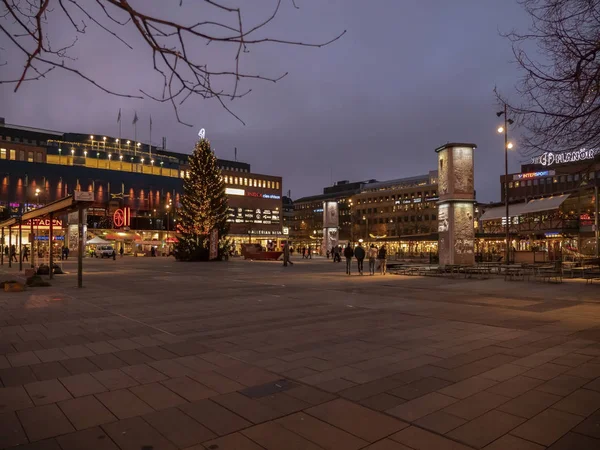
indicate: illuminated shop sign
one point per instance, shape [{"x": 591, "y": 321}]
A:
[
  {"x": 550, "y": 158},
  {"x": 431, "y": 199},
  {"x": 526, "y": 176},
  {"x": 122, "y": 217},
  {"x": 233, "y": 191},
  {"x": 417, "y": 200},
  {"x": 259, "y": 195},
  {"x": 45, "y": 238},
  {"x": 43, "y": 223}
]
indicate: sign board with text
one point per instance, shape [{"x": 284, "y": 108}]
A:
[
  {"x": 83, "y": 196},
  {"x": 214, "y": 244}
]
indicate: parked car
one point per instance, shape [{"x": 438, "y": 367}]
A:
[{"x": 104, "y": 251}]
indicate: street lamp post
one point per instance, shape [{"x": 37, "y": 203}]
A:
[{"x": 507, "y": 146}]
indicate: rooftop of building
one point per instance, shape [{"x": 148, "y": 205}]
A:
[{"x": 418, "y": 180}]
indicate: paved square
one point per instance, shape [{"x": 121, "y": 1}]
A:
[{"x": 157, "y": 354}]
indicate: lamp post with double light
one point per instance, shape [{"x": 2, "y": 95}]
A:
[{"x": 507, "y": 146}]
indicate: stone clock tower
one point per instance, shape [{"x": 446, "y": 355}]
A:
[{"x": 456, "y": 213}]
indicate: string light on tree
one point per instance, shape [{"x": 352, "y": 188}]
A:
[{"x": 203, "y": 205}]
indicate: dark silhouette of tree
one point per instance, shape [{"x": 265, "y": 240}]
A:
[
  {"x": 559, "y": 105},
  {"x": 173, "y": 45}
]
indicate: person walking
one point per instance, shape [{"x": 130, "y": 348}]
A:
[
  {"x": 303, "y": 252},
  {"x": 25, "y": 254},
  {"x": 348, "y": 254},
  {"x": 382, "y": 256},
  {"x": 286, "y": 256},
  {"x": 13, "y": 253},
  {"x": 121, "y": 251},
  {"x": 309, "y": 252},
  {"x": 372, "y": 257},
  {"x": 359, "y": 253}
]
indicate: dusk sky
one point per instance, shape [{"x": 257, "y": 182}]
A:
[{"x": 408, "y": 76}]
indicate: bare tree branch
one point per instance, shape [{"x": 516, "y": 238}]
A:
[
  {"x": 26, "y": 25},
  {"x": 559, "y": 106}
]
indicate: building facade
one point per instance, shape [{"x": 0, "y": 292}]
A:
[{"x": 40, "y": 166}]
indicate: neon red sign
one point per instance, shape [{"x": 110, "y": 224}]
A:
[{"x": 122, "y": 217}]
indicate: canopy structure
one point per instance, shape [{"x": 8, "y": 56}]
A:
[
  {"x": 97, "y": 241},
  {"x": 532, "y": 206}
]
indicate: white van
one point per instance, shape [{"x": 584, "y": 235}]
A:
[{"x": 104, "y": 251}]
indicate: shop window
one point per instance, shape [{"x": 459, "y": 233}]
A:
[
  {"x": 576, "y": 177},
  {"x": 29, "y": 156},
  {"x": 21, "y": 155},
  {"x": 277, "y": 184},
  {"x": 269, "y": 184},
  {"x": 13, "y": 155},
  {"x": 563, "y": 179},
  {"x": 535, "y": 182},
  {"x": 245, "y": 181},
  {"x": 181, "y": 174},
  {"x": 517, "y": 184},
  {"x": 39, "y": 157},
  {"x": 2, "y": 153},
  {"x": 570, "y": 178},
  {"x": 510, "y": 185}
]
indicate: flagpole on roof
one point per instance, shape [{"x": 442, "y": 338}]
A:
[
  {"x": 135, "y": 119},
  {"x": 119, "y": 122},
  {"x": 150, "y": 147}
]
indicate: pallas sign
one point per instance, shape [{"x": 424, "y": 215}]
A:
[
  {"x": 551, "y": 158},
  {"x": 122, "y": 217}
]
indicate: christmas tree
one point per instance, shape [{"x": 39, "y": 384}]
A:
[{"x": 203, "y": 205}]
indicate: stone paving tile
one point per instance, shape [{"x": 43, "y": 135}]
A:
[
  {"x": 157, "y": 396},
  {"x": 124, "y": 404},
  {"x": 529, "y": 404},
  {"x": 547, "y": 427},
  {"x": 76, "y": 366},
  {"x": 133, "y": 357},
  {"x": 17, "y": 376},
  {"x": 587, "y": 370},
  {"x": 136, "y": 434},
  {"x": 572, "y": 441},
  {"x": 547, "y": 371},
  {"x": 362, "y": 422},
  {"x": 44, "y": 422},
  {"x": 440, "y": 422},
  {"x": 4, "y": 364},
  {"x": 14, "y": 399},
  {"x": 171, "y": 368},
  {"x": 485, "y": 429},
  {"x": 504, "y": 372},
  {"x": 144, "y": 374},
  {"x": 100, "y": 348},
  {"x": 114, "y": 379},
  {"x": 178, "y": 427},
  {"x": 419, "y": 439},
  {"x": 515, "y": 386},
  {"x": 283, "y": 403},
  {"x": 273, "y": 436},
  {"x": 45, "y": 392},
  {"x": 582, "y": 402},
  {"x": 476, "y": 405},
  {"x": 216, "y": 418},
  {"x": 77, "y": 351},
  {"x": 49, "y": 355},
  {"x": 22, "y": 359},
  {"x": 590, "y": 426},
  {"x": 235, "y": 441},
  {"x": 49, "y": 371},
  {"x": 422, "y": 406},
  {"x": 419, "y": 388},
  {"x": 468, "y": 387},
  {"x": 335, "y": 385},
  {"x": 90, "y": 439},
  {"x": 124, "y": 344},
  {"x": 321, "y": 433},
  {"x": 310, "y": 395},
  {"x": 387, "y": 444},
  {"x": 196, "y": 364},
  {"x": 217, "y": 382},
  {"x": 382, "y": 402},
  {"x": 11, "y": 431},
  {"x": 189, "y": 389},
  {"x": 107, "y": 361},
  {"x": 562, "y": 385},
  {"x": 509, "y": 442},
  {"x": 572, "y": 360},
  {"x": 48, "y": 444},
  {"x": 82, "y": 384},
  {"x": 157, "y": 353},
  {"x": 370, "y": 389},
  {"x": 86, "y": 412},
  {"x": 250, "y": 409}
]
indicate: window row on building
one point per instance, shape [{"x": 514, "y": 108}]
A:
[
  {"x": 251, "y": 182},
  {"x": 405, "y": 196},
  {"x": 22, "y": 155}
]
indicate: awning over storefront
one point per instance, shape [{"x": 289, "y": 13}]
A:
[
  {"x": 544, "y": 204},
  {"x": 123, "y": 236},
  {"x": 532, "y": 206},
  {"x": 498, "y": 212},
  {"x": 62, "y": 205},
  {"x": 8, "y": 223}
]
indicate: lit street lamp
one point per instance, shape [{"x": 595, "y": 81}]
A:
[{"x": 507, "y": 146}]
